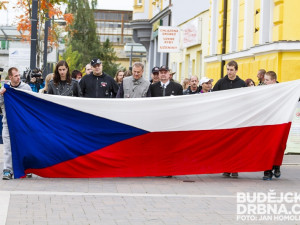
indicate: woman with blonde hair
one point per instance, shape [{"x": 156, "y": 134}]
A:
[
  {"x": 185, "y": 83},
  {"x": 47, "y": 81}
]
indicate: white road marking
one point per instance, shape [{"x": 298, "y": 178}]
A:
[
  {"x": 116, "y": 194},
  {"x": 4, "y": 203}
]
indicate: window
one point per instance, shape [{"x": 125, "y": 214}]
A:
[
  {"x": 127, "y": 17},
  {"x": 139, "y": 2},
  {"x": 128, "y": 39},
  {"x": 4, "y": 44}
]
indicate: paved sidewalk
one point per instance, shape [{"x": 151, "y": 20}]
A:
[{"x": 197, "y": 199}]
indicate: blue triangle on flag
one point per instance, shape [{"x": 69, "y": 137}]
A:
[{"x": 44, "y": 133}]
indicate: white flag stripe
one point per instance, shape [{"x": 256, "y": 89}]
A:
[{"x": 243, "y": 107}]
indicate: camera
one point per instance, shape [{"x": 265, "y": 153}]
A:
[
  {"x": 29, "y": 74},
  {"x": 37, "y": 73}
]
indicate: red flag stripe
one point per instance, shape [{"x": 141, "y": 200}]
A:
[{"x": 247, "y": 149}]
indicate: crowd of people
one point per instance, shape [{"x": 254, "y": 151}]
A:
[{"x": 128, "y": 84}]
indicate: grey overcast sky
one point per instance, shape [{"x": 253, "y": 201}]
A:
[
  {"x": 7, "y": 17},
  {"x": 116, "y": 4}
]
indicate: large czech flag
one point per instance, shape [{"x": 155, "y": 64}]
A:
[{"x": 239, "y": 130}]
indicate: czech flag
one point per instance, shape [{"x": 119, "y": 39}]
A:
[{"x": 238, "y": 130}]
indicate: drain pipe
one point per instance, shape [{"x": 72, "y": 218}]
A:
[{"x": 224, "y": 36}]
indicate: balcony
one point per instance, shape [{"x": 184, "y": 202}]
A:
[{"x": 142, "y": 32}]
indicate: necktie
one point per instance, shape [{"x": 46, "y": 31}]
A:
[{"x": 164, "y": 90}]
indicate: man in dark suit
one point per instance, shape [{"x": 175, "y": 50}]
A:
[{"x": 165, "y": 87}]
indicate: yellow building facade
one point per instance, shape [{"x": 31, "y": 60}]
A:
[{"x": 259, "y": 34}]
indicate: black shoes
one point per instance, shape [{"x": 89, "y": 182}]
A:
[
  {"x": 233, "y": 175},
  {"x": 277, "y": 172},
  {"x": 268, "y": 174},
  {"x": 226, "y": 174}
]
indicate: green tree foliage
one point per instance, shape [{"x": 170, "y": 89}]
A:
[
  {"x": 83, "y": 41},
  {"x": 73, "y": 58},
  {"x": 108, "y": 56}
]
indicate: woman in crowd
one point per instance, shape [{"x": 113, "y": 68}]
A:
[
  {"x": 249, "y": 82},
  {"x": 185, "y": 83},
  {"x": 127, "y": 73},
  {"x": 206, "y": 84},
  {"x": 62, "y": 83},
  {"x": 77, "y": 75},
  {"x": 44, "y": 90},
  {"x": 119, "y": 77}
]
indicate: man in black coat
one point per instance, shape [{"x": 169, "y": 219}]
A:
[
  {"x": 98, "y": 84},
  {"x": 231, "y": 80},
  {"x": 165, "y": 87}
]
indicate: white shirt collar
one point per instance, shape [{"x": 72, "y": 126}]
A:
[{"x": 166, "y": 84}]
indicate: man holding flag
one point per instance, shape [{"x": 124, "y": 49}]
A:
[
  {"x": 15, "y": 82},
  {"x": 270, "y": 77},
  {"x": 230, "y": 81}
]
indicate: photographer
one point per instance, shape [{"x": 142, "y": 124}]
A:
[{"x": 36, "y": 80}]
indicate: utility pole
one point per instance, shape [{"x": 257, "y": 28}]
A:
[
  {"x": 130, "y": 59},
  {"x": 33, "y": 34}
]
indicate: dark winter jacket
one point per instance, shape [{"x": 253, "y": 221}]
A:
[
  {"x": 173, "y": 88},
  {"x": 188, "y": 91},
  {"x": 64, "y": 88},
  {"x": 225, "y": 83},
  {"x": 103, "y": 86}
]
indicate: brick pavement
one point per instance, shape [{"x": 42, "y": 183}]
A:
[{"x": 196, "y": 199}]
